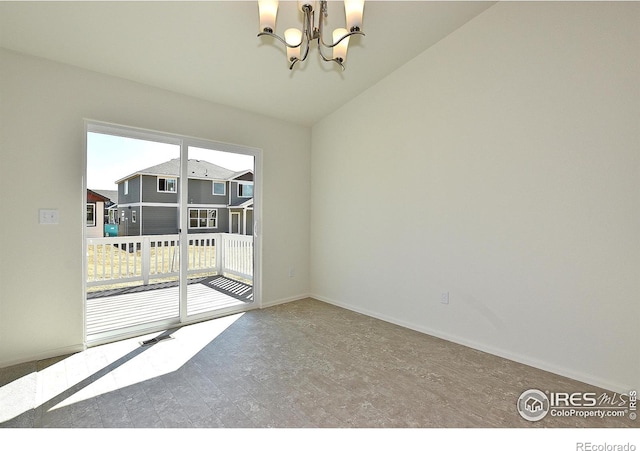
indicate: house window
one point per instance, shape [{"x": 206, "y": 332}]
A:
[
  {"x": 126, "y": 187},
  {"x": 219, "y": 188},
  {"x": 134, "y": 215},
  {"x": 166, "y": 185},
  {"x": 245, "y": 190},
  {"x": 203, "y": 218},
  {"x": 91, "y": 215}
]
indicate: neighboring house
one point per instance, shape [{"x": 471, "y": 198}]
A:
[
  {"x": 219, "y": 200},
  {"x": 99, "y": 204}
]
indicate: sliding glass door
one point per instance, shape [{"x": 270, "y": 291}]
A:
[{"x": 169, "y": 234}]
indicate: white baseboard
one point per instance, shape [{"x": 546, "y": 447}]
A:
[
  {"x": 299, "y": 297},
  {"x": 44, "y": 355},
  {"x": 519, "y": 358}
]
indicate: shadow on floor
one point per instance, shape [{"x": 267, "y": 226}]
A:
[{"x": 238, "y": 290}]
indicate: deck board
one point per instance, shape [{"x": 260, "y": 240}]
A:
[{"x": 121, "y": 309}]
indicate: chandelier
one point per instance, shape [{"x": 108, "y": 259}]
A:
[{"x": 298, "y": 41}]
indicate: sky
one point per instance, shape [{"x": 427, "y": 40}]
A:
[{"x": 110, "y": 158}]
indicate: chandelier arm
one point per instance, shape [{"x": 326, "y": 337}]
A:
[
  {"x": 320, "y": 36},
  {"x": 309, "y": 18},
  {"x": 339, "y": 63},
  {"x": 307, "y": 32},
  {"x": 351, "y": 33},
  {"x": 304, "y": 56},
  {"x": 324, "y": 58},
  {"x": 335, "y": 60},
  {"x": 268, "y": 33},
  {"x": 306, "y": 50},
  {"x": 324, "y": 13}
]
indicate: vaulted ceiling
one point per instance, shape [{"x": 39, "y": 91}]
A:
[{"x": 209, "y": 49}]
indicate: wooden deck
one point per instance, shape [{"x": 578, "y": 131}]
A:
[{"x": 119, "y": 309}]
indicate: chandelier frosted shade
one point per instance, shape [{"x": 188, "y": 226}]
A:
[
  {"x": 353, "y": 10},
  {"x": 293, "y": 38},
  {"x": 268, "y": 13},
  {"x": 298, "y": 42},
  {"x": 340, "y": 49}
]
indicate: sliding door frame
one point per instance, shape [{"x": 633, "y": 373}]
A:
[{"x": 184, "y": 142}]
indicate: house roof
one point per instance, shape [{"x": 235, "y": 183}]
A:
[
  {"x": 94, "y": 196},
  {"x": 199, "y": 169},
  {"x": 242, "y": 203},
  {"x": 111, "y": 195},
  {"x": 238, "y": 175}
]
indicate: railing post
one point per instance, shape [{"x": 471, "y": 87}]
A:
[
  {"x": 219, "y": 253},
  {"x": 145, "y": 264}
]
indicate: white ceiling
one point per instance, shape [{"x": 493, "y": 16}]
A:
[{"x": 209, "y": 49}]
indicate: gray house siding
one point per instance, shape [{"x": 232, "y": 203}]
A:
[
  {"x": 234, "y": 198},
  {"x": 249, "y": 230},
  {"x": 127, "y": 227},
  {"x": 201, "y": 192},
  {"x": 160, "y": 220},
  {"x": 150, "y": 191},
  {"x": 223, "y": 220},
  {"x": 133, "y": 194},
  {"x": 164, "y": 221}
]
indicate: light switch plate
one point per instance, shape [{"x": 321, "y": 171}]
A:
[{"x": 48, "y": 216}]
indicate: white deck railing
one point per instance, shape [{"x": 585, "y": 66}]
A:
[{"x": 115, "y": 260}]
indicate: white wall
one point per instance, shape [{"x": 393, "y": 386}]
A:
[
  {"x": 502, "y": 166},
  {"x": 42, "y": 107}
]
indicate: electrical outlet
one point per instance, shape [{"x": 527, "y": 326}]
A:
[
  {"x": 444, "y": 297},
  {"x": 292, "y": 272}
]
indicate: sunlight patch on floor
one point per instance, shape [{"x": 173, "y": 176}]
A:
[
  {"x": 86, "y": 375},
  {"x": 17, "y": 396}
]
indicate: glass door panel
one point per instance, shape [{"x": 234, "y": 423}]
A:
[
  {"x": 131, "y": 235},
  {"x": 220, "y": 231}
]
